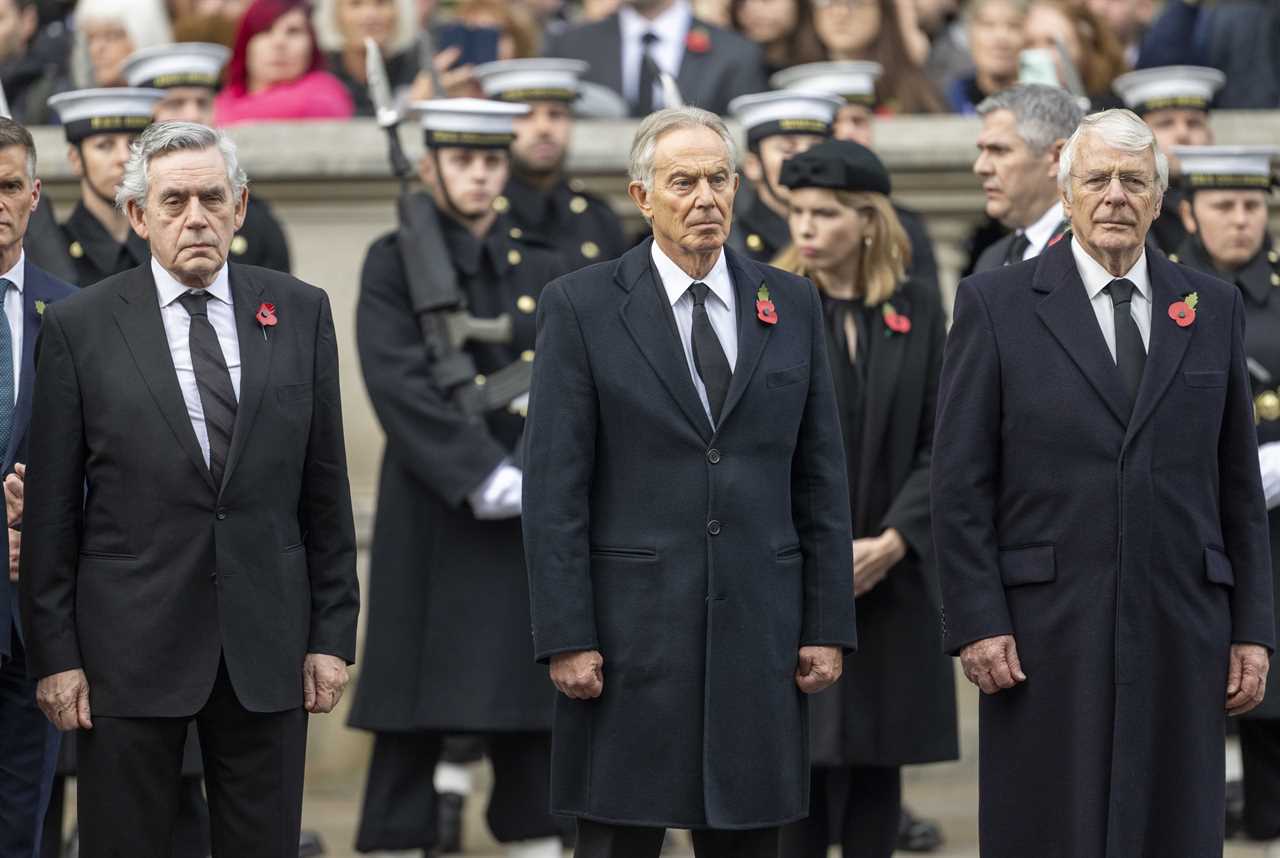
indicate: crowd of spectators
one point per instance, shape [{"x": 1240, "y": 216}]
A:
[{"x": 294, "y": 60}]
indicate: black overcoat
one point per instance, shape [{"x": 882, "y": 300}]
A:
[
  {"x": 696, "y": 561},
  {"x": 896, "y": 703},
  {"x": 448, "y": 644},
  {"x": 1124, "y": 552}
]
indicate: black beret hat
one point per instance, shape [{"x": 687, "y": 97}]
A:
[{"x": 840, "y": 165}]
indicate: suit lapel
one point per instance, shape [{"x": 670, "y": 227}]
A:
[
  {"x": 1168, "y": 341},
  {"x": 255, "y": 359},
  {"x": 32, "y": 291},
  {"x": 650, "y": 326},
  {"x": 1069, "y": 316},
  {"x": 885, "y": 355},
  {"x": 138, "y": 317},
  {"x": 752, "y": 333}
]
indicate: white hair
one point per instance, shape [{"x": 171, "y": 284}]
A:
[
  {"x": 329, "y": 36},
  {"x": 1119, "y": 129},
  {"x": 165, "y": 137},
  {"x": 146, "y": 22},
  {"x": 655, "y": 125}
]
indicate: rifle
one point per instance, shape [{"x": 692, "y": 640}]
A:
[{"x": 438, "y": 302}]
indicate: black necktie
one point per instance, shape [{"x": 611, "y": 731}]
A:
[
  {"x": 1131, "y": 354},
  {"x": 1017, "y": 249},
  {"x": 708, "y": 354},
  {"x": 648, "y": 75},
  {"x": 217, "y": 396}
]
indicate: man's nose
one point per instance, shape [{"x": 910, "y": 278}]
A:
[
  {"x": 982, "y": 165},
  {"x": 1115, "y": 193},
  {"x": 197, "y": 217}
]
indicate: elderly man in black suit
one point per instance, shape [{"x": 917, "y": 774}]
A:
[
  {"x": 630, "y": 50},
  {"x": 1100, "y": 525},
  {"x": 686, "y": 520},
  {"x": 189, "y": 551}
]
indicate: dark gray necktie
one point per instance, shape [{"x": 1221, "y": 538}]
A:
[
  {"x": 217, "y": 395},
  {"x": 1131, "y": 354},
  {"x": 1017, "y": 249},
  {"x": 708, "y": 354},
  {"x": 648, "y": 75}
]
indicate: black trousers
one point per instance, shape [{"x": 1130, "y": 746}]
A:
[
  {"x": 28, "y": 758},
  {"x": 399, "y": 809},
  {"x": 857, "y": 807},
  {"x": 599, "y": 840},
  {"x": 1260, "y": 753},
  {"x": 130, "y": 780}
]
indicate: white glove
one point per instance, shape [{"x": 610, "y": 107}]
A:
[
  {"x": 498, "y": 496},
  {"x": 1269, "y": 461}
]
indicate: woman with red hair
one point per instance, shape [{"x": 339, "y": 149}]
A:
[{"x": 277, "y": 70}]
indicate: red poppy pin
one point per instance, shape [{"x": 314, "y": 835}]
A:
[
  {"x": 1184, "y": 312},
  {"x": 698, "y": 41},
  {"x": 896, "y": 322},
  {"x": 765, "y": 311},
  {"x": 266, "y": 317}
]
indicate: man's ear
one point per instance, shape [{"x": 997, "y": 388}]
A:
[
  {"x": 1055, "y": 153},
  {"x": 139, "y": 224},
  {"x": 242, "y": 207},
  {"x": 753, "y": 168},
  {"x": 1066, "y": 203},
  {"x": 1188, "y": 216},
  {"x": 35, "y": 194},
  {"x": 640, "y": 197},
  {"x": 427, "y": 168}
]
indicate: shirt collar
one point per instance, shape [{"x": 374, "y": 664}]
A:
[
  {"x": 15, "y": 274},
  {"x": 670, "y": 26},
  {"x": 675, "y": 282},
  {"x": 171, "y": 290},
  {"x": 1096, "y": 278},
  {"x": 1042, "y": 230}
]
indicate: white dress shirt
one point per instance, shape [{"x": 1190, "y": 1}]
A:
[
  {"x": 1096, "y": 279},
  {"x": 13, "y": 311},
  {"x": 177, "y": 330},
  {"x": 721, "y": 311},
  {"x": 1039, "y": 233},
  {"x": 671, "y": 28}
]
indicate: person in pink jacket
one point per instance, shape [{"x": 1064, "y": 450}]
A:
[{"x": 277, "y": 70}]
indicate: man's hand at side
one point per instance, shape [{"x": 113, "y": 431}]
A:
[
  {"x": 818, "y": 667},
  {"x": 13, "y": 494},
  {"x": 579, "y": 675},
  {"x": 992, "y": 664},
  {"x": 1246, "y": 677},
  {"x": 323, "y": 679},
  {"x": 15, "y": 554},
  {"x": 64, "y": 700}
]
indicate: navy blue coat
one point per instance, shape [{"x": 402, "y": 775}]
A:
[
  {"x": 696, "y": 561},
  {"x": 1124, "y": 553}
]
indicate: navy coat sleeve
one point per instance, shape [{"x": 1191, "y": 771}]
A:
[
  {"x": 966, "y": 470},
  {"x": 560, "y": 441},
  {"x": 1245, "y": 527}
]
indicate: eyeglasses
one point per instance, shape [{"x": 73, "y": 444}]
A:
[
  {"x": 847, "y": 4},
  {"x": 1132, "y": 183}
]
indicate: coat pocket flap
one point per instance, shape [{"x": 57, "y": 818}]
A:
[
  {"x": 1029, "y": 564},
  {"x": 791, "y": 375},
  {"x": 1211, "y": 378},
  {"x": 1217, "y": 566}
]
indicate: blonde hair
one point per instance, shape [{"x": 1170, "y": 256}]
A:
[
  {"x": 886, "y": 250},
  {"x": 324, "y": 18}
]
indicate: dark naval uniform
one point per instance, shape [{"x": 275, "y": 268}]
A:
[
  {"x": 261, "y": 240},
  {"x": 1167, "y": 231},
  {"x": 448, "y": 648},
  {"x": 94, "y": 254},
  {"x": 581, "y": 226}
]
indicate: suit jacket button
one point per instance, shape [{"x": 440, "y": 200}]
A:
[
  {"x": 713, "y": 456},
  {"x": 713, "y": 527},
  {"x": 221, "y": 513}
]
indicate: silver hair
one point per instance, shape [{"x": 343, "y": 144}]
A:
[
  {"x": 165, "y": 137},
  {"x": 145, "y": 21},
  {"x": 1043, "y": 115},
  {"x": 1119, "y": 129},
  {"x": 655, "y": 125}
]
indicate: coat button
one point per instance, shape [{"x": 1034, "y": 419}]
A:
[
  {"x": 221, "y": 513},
  {"x": 713, "y": 527},
  {"x": 713, "y": 456}
]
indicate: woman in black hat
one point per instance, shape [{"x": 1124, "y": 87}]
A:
[{"x": 896, "y": 702}]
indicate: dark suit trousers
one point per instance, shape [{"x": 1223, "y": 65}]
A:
[
  {"x": 599, "y": 840},
  {"x": 1260, "y": 753},
  {"x": 130, "y": 774},
  {"x": 28, "y": 759},
  {"x": 857, "y": 807}
]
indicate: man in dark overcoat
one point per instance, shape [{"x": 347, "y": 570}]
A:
[
  {"x": 686, "y": 521},
  {"x": 1100, "y": 525}
]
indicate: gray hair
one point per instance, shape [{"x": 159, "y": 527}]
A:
[
  {"x": 1042, "y": 114},
  {"x": 165, "y": 137},
  {"x": 655, "y": 125},
  {"x": 1119, "y": 129}
]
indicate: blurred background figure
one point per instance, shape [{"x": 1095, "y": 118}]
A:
[
  {"x": 1094, "y": 54},
  {"x": 628, "y": 50},
  {"x": 341, "y": 28},
  {"x": 33, "y": 64},
  {"x": 549, "y": 16},
  {"x": 277, "y": 70},
  {"x": 713, "y": 12},
  {"x": 1126, "y": 20},
  {"x": 518, "y": 34},
  {"x": 782, "y": 28},
  {"x": 1174, "y": 101},
  {"x": 107, "y": 31},
  {"x": 883, "y": 31},
  {"x": 996, "y": 37},
  {"x": 895, "y": 704},
  {"x": 598, "y": 10},
  {"x": 948, "y": 57}
]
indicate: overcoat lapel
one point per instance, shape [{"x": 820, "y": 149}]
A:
[
  {"x": 752, "y": 333},
  {"x": 1068, "y": 315},
  {"x": 255, "y": 358},
  {"x": 138, "y": 318},
  {"x": 884, "y": 364},
  {"x": 647, "y": 321},
  {"x": 1168, "y": 341}
]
